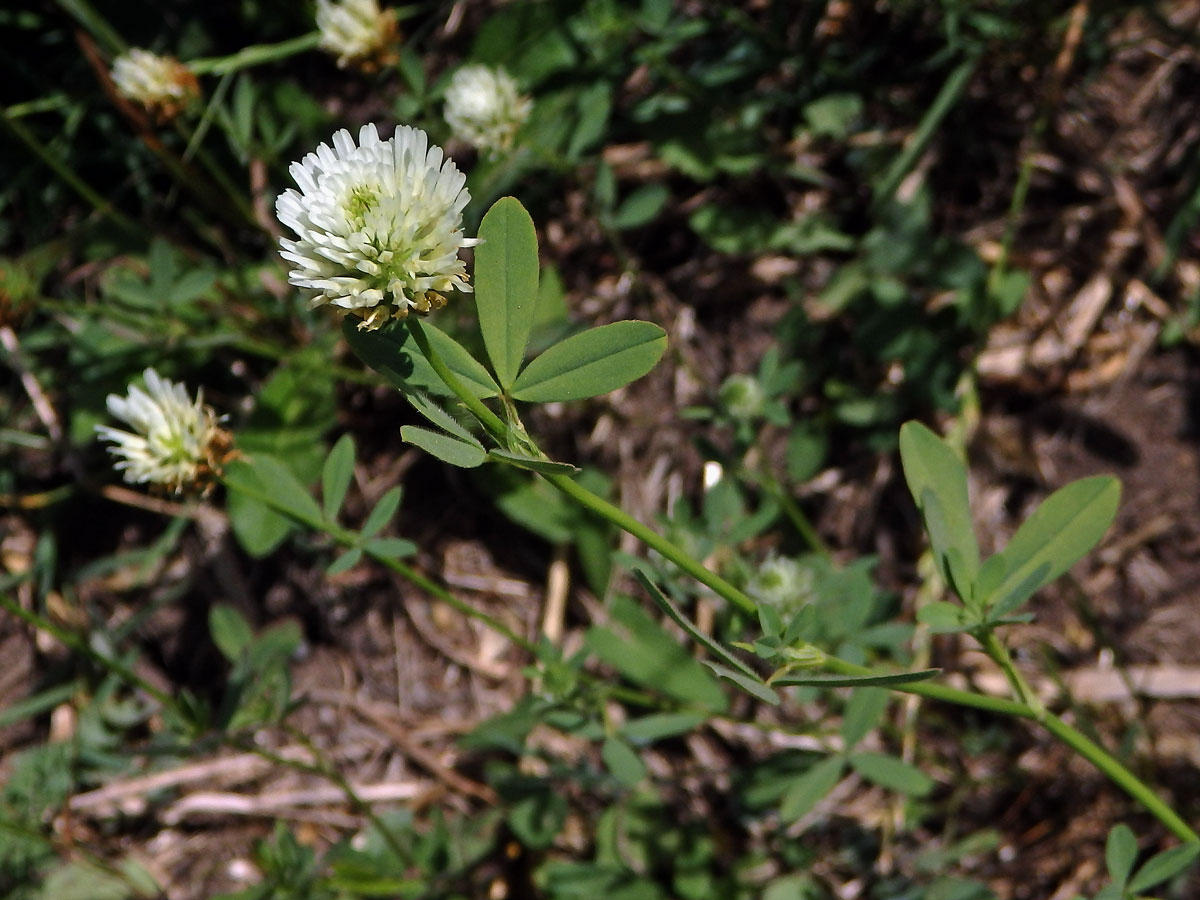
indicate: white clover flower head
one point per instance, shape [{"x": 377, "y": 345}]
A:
[
  {"x": 379, "y": 225},
  {"x": 784, "y": 583},
  {"x": 175, "y": 442},
  {"x": 357, "y": 32},
  {"x": 161, "y": 84},
  {"x": 484, "y": 108},
  {"x": 742, "y": 396}
]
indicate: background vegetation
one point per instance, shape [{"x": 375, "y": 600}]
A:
[{"x": 980, "y": 215}]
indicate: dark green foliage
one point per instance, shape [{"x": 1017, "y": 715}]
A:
[{"x": 837, "y": 183}]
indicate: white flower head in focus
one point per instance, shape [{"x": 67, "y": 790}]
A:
[
  {"x": 358, "y": 32},
  {"x": 175, "y": 442},
  {"x": 484, "y": 108},
  {"x": 161, "y": 84},
  {"x": 378, "y": 225}
]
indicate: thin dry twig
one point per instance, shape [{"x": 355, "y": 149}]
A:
[
  {"x": 290, "y": 803},
  {"x": 41, "y": 403},
  {"x": 429, "y": 633},
  {"x": 127, "y": 497},
  {"x": 383, "y": 718},
  {"x": 558, "y": 581},
  {"x": 230, "y": 769}
]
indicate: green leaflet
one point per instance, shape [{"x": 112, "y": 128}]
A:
[
  {"x": 593, "y": 362},
  {"x": 445, "y": 447},
  {"x": 1068, "y": 524},
  {"x": 506, "y": 284},
  {"x": 937, "y": 480}
]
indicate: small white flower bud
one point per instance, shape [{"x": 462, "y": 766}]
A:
[
  {"x": 161, "y": 84},
  {"x": 358, "y": 33},
  {"x": 742, "y": 397},
  {"x": 175, "y": 442},
  {"x": 784, "y": 583}
]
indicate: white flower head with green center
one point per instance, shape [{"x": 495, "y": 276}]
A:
[
  {"x": 357, "y": 32},
  {"x": 162, "y": 84},
  {"x": 378, "y": 225},
  {"x": 484, "y": 108},
  {"x": 175, "y": 441}
]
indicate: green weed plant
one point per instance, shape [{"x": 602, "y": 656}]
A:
[{"x": 171, "y": 263}]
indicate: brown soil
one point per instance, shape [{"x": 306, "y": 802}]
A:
[{"x": 1073, "y": 386}]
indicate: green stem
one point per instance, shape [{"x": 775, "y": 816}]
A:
[
  {"x": 945, "y": 101},
  {"x": 332, "y": 773},
  {"x": 1015, "y": 208},
  {"x": 1076, "y": 740},
  {"x": 24, "y": 439},
  {"x": 654, "y": 540},
  {"x": 1073, "y": 738},
  {"x": 95, "y": 24},
  {"x": 436, "y": 590},
  {"x": 178, "y": 169},
  {"x": 348, "y": 538},
  {"x": 50, "y": 103},
  {"x": 254, "y": 55},
  {"x": 81, "y": 646},
  {"x": 1020, "y": 687},
  {"x": 1070, "y": 736},
  {"x": 215, "y": 99},
  {"x": 577, "y": 492},
  {"x": 1049, "y": 105},
  {"x": 1109, "y": 765},
  {"x": 791, "y": 509},
  {"x": 492, "y": 422}
]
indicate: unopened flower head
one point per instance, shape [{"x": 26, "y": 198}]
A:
[
  {"x": 742, "y": 396},
  {"x": 358, "y": 32},
  {"x": 175, "y": 442},
  {"x": 784, "y": 583},
  {"x": 484, "y": 109},
  {"x": 379, "y": 225},
  {"x": 161, "y": 84}
]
